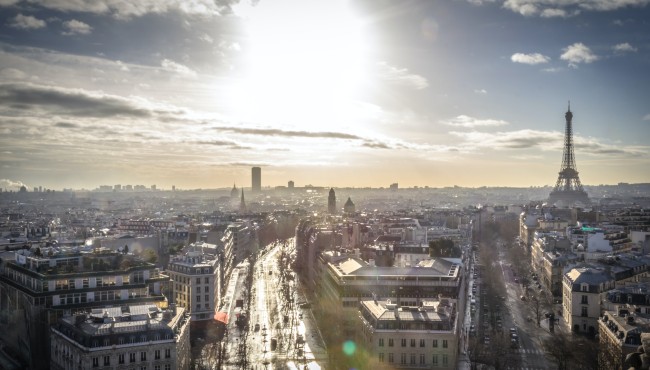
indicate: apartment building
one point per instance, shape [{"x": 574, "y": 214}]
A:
[
  {"x": 582, "y": 291},
  {"x": 409, "y": 337},
  {"x": 625, "y": 318},
  {"x": 196, "y": 280},
  {"x": 53, "y": 282},
  {"x": 132, "y": 336}
]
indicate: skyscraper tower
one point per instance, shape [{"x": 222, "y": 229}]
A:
[
  {"x": 568, "y": 190},
  {"x": 256, "y": 174},
  {"x": 331, "y": 202}
]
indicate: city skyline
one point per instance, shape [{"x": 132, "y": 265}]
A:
[{"x": 336, "y": 93}]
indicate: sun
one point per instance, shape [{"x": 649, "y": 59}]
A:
[{"x": 305, "y": 65}]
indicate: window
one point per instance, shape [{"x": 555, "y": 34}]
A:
[
  {"x": 435, "y": 343},
  {"x": 207, "y": 289},
  {"x": 585, "y": 299},
  {"x": 434, "y": 361},
  {"x": 412, "y": 358},
  {"x": 207, "y": 298},
  {"x": 120, "y": 340},
  {"x": 403, "y": 342},
  {"x": 207, "y": 281},
  {"x": 143, "y": 356},
  {"x": 390, "y": 358},
  {"x": 198, "y": 280},
  {"x": 584, "y": 312},
  {"x": 168, "y": 353},
  {"x": 107, "y": 360},
  {"x": 412, "y": 342},
  {"x": 157, "y": 354},
  {"x": 445, "y": 360},
  {"x": 444, "y": 343},
  {"x": 120, "y": 358},
  {"x": 381, "y": 357},
  {"x": 95, "y": 361},
  {"x": 157, "y": 367},
  {"x": 390, "y": 342},
  {"x": 381, "y": 342},
  {"x": 584, "y": 287},
  {"x": 198, "y": 298},
  {"x": 168, "y": 367},
  {"x": 421, "y": 342},
  {"x": 132, "y": 357},
  {"x": 143, "y": 368},
  {"x": 421, "y": 358},
  {"x": 403, "y": 359},
  {"x": 198, "y": 306}
]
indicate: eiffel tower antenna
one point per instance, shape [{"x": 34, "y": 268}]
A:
[{"x": 568, "y": 190}]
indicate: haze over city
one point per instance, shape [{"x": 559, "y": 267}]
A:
[{"x": 333, "y": 93}]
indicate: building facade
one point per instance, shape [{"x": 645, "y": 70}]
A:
[
  {"x": 127, "y": 337},
  {"x": 196, "y": 280},
  {"x": 582, "y": 291},
  {"x": 407, "y": 337}
]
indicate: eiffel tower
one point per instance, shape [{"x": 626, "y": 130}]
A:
[{"x": 568, "y": 190}]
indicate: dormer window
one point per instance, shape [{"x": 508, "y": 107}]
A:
[{"x": 584, "y": 287}]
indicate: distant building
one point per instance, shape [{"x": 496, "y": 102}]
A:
[
  {"x": 331, "y": 202},
  {"x": 408, "y": 337},
  {"x": 394, "y": 186},
  {"x": 242, "y": 203},
  {"x": 256, "y": 175},
  {"x": 234, "y": 192},
  {"x": 290, "y": 184},
  {"x": 239, "y": 239},
  {"x": 196, "y": 279},
  {"x": 349, "y": 207},
  {"x": 131, "y": 336}
]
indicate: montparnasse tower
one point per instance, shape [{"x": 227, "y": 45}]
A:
[
  {"x": 568, "y": 191},
  {"x": 331, "y": 202}
]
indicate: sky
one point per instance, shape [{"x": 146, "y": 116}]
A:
[{"x": 328, "y": 93}]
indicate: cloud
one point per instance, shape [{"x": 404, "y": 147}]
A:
[
  {"x": 73, "y": 102},
  {"x": 66, "y": 125},
  {"x": 646, "y": 117},
  {"x": 7, "y": 184},
  {"x": 567, "y": 8},
  {"x": 480, "y": 91},
  {"x": 26, "y": 22},
  {"x": 624, "y": 48},
  {"x": 128, "y": 9},
  {"x": 466, "y": 121},
  {"x": 171, "y": 66},
  {"x": 578, "y": 53},
  {"x": 286, "y": 133},
  {"x": 545, "y": 140},
  {"x": 554, "y": 12},
  {"x": 532, "y": 59},
  {"x": 12, "y": 73},
  {"x": 75, "y": 27},
  {"x": 401, "y": 76}
]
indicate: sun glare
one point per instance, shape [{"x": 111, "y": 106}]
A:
[{"x": 304, "y": 68}]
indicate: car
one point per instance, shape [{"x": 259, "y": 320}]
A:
[
  {"x": 257, "y": 327},
  {"x": 523, "y": 297},
  {"x": 305, "y": 305},
  {"x": 513, "y": 330}
]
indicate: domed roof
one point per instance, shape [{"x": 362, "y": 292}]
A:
[{"x": 349, "y": 202}]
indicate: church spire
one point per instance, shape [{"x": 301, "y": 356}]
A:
[{"x": 242, "y": 204}]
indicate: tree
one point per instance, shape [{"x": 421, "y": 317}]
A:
[
  {"x": 150, "y": 256},
  {"x": 444, "y": 248},
  {"x": 572, "y": 351},
  {"x": 125, "y": 250}
]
